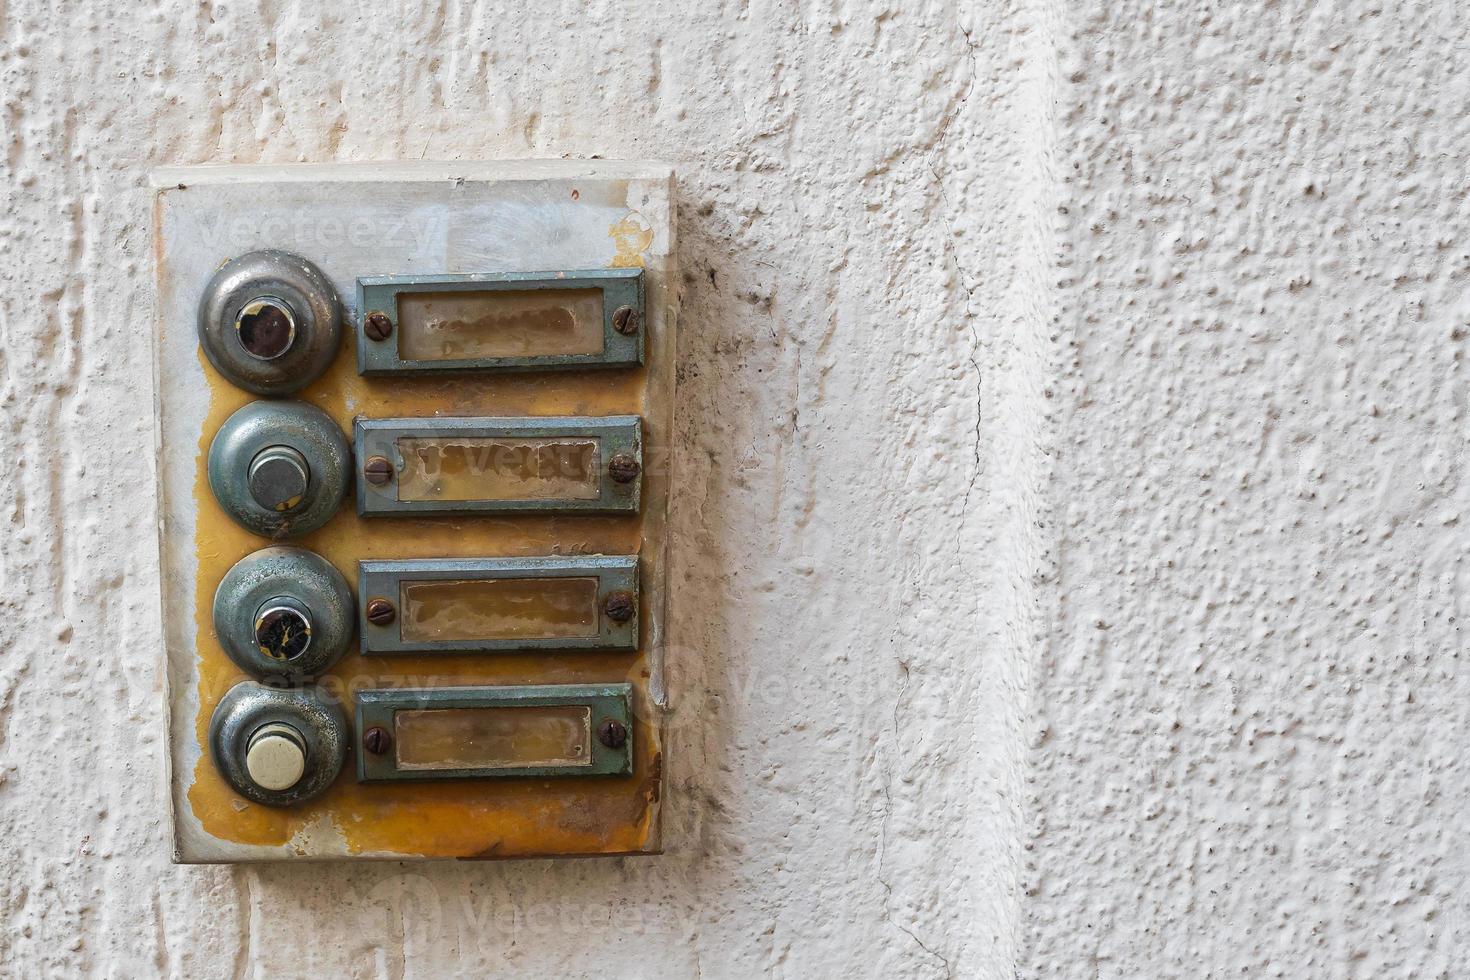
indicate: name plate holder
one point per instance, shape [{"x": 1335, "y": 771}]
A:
[
  {"x": 498, "y": 605},
  {"x": 412, "y": 467},
  {"x": 494, "y": 732},
  {"x": 516, "y": 321}
]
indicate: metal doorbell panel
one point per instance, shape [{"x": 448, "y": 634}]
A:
[{"x": 413, "y": 445}]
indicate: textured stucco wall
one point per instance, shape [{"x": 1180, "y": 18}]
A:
[
  {"x": 1253, "y": 705},
  {"x": 1072, "y": 482},
  {"x": 863, "y": 234}
]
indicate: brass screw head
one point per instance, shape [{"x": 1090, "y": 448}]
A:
[
  {"x": 380, "y": 611},
  {"x": 377, "y": 470},
  {"x": 376, "y": 740},
  {"x": 625, "y": 320},
  {"x": 377, "y": 326},
  {"x": 623, "y": 468},
  {"x": 612, "y": 733},
  {"x": 619, "y": 606}
]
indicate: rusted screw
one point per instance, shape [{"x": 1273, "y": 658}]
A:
[
  {"x": 619, "y": 606},
  {"x": 377, "y": 470},
  {"x": 625, "y": 320},
  {"x": 376, "y": 740},
  {"x": 380, "y": 611},
  {"x": 610, "y": 733},
  {"x": 377, "y": 326},
  {"x": 623, "y": 468}
]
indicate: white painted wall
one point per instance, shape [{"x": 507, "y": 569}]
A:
[
  {"x": 1253, "y": 702},
  {"x": 1067, "y": 579},
  {"x": 857, "y": 215}
]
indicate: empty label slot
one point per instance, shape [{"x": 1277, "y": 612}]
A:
[
  {"x": 494, "y": 738},
  {"x": 448, "y": 326},
  {"x": 499, "y": 609},
  {"x": 465, "y": 468},
  {"x": 491, "y": 605}
]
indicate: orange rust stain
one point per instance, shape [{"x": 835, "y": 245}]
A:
[
  {"x": 469, "y": 818},
  {"x": 631, "y": 238}
]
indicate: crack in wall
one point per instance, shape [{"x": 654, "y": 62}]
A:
[{"x": 883, "y": 837}]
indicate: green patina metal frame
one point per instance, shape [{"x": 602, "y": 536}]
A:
[
  {"x": 376, "y": 709},
  {"x": 620, "y": 287},
  {"x": 615, "y": 435},
  {"x": 384, "y": 577}
]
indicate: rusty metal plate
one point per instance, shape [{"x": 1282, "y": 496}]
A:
[{"x": 459, "y": 219}]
